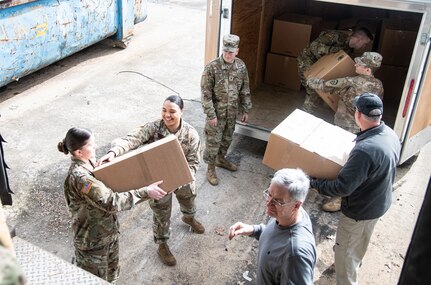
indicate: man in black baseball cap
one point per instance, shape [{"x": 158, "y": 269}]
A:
[
  {"x": 365, "y": 185},
  {"x": 369, "y": 104}
]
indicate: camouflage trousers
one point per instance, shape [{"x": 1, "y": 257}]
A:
[
  {"x": 312, "y": 100},
  {"x": 218, "y": 139},
  {"x": 162, "y": 210},
  {"x": 102, "y": 262},
  {"x": 344, "y": 119}
]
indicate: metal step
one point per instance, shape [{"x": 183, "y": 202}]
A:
[
  {"x": 42, "y": 267},
  {"x": 252, "y": 131}
]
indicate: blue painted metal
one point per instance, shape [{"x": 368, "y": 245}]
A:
[{"x": 36, "y": 34}]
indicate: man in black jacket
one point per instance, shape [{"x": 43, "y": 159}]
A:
[{"x": 365, "y": 185}]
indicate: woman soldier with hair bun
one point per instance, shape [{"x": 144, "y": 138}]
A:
[{"x": 94, "y": 206}]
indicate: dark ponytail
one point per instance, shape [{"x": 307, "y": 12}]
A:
[{"x": 74, "y": 140}]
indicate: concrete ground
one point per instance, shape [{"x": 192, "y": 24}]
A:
[{"x": 111, "y": 91}]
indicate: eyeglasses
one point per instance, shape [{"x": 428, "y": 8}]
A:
[{"x": 267, "y": 196}]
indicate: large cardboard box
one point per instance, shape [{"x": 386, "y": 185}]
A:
[
  {"x": 307, "y": 142},
  {"x": 282, "y": 71},
  {"x": 160, "y": 160},
  {"x": 291, "y": 33},
  {"x": 397, "y": 40},
  {"x": 329, "y": 67}
]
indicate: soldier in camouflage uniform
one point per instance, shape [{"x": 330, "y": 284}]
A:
[
  {"x": 224, "y": 90},
  {"x": 170, "y": 124},
  {"x": 94, "y": 206},
  {"x": 328, "y": 42},
  {"x": 347, "y": 89},
  {"x": 10, "y": 271}
]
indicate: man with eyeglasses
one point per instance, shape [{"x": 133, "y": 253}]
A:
[
  {"x": 287, "y": 249},
  {"x": 365, "y": 185}
]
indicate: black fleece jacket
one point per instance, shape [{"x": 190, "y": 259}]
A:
[{"x": 365, "y": 181}]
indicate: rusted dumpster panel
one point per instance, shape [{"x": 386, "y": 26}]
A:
[{"x": 38, "y": 33}]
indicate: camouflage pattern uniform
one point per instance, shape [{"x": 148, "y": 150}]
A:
[
  {"x": 190, "y": 144},
  {"x": 224, "y": 89},
  {"x": 95, "y": 223},
  {"x": 328, "y": 42},
  {"x": 10, "y": 271},
  {"x": 348, "y": 88}
]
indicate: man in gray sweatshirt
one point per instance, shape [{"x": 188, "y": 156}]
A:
[{"x": 287, "y": 249}]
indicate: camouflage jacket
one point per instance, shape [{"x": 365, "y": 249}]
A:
[
  {"x": 327, "y": 42},
  {"x": 350, "y": 87},
  {"x": 223, "y": 87},
  {"x": 94, "y": 206},
  {"x": 153, "y": 131}
]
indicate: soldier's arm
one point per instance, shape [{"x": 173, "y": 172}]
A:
[
  {"x": 133, "y": 140},
  {"x": 326, "y": 43},
  {"x": 207, "y": 89},
  {"x": 102, "y": 197},
  {"x": 335, "y": 85},
  {"x": 244, "y": 94},
  {"x": 193, "y": 155}
]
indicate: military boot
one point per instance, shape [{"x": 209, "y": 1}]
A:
[
  {"x": 333, "y": 205},
  {"x": 166, "y": 255},
  {"x": 197, "y": 227},
  {"x": 211, "y": 175},
  {"x": 226, "y": 164}
]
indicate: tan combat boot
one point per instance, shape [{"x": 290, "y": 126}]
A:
[
  {"x": 226, "y": 164},
  {"x": 166, "y": 255},
  {"x": 333, "y": 205},
  {"x": 211, "y": 175},
  {"x": 197, "y": 227}
]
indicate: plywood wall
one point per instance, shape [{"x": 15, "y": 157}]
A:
[{"x": 252, "y": 21}]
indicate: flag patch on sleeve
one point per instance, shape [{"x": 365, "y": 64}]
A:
[{"x": 87, "y": 187}]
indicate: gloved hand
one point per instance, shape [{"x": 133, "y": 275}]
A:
[{"x": 314, "y": 82}]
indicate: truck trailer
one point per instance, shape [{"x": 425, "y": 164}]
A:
[{"x": 401, "y": 31}]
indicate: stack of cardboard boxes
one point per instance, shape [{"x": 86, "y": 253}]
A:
[{"x": 290, "y": 34}]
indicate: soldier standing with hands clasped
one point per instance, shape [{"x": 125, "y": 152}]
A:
[{"x": 225, "y": 89}]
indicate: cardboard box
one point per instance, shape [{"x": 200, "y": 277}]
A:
[
  {"x": 397, "y": 40},
  {"x": 291, "y": 33},
  {"x": 282, "y": 71},
  {"x": 329, "y": 67},
  {"x": 307, "y": 142},
  {"x": 160, "y": 160}
]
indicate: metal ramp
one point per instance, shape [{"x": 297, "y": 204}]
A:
[{"x": 42, "y": 267}]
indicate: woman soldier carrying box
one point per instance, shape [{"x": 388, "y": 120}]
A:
[
  {"x": 94, "y": 207},
  {"x": 170, "y": 123}
]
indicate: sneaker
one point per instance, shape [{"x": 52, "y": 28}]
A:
[
  {"x": 226, "y": 164},
  {"x": 333, "y": 205},
  {"x": 196, "y": 226},
  {"x": 166, "y": 255}
]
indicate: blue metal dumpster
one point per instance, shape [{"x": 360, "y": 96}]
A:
[{"x": 36, "y": 33}]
